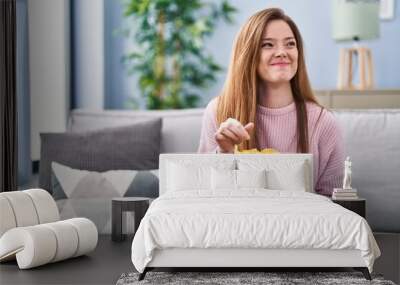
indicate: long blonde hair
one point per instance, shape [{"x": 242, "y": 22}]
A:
[{"x": 238, "y": 98}]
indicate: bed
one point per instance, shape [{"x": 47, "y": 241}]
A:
[{"x": 237, "y": 210}]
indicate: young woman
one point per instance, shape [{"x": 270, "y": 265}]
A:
[{"x": 267, "y": 101}]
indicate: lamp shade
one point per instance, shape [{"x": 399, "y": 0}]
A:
[{"x": 355, "y": 19}]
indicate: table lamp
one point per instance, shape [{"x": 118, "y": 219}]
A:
[{"x": 355, "y": 20}]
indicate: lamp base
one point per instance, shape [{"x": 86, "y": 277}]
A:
[{"x": 365, "y": 69}]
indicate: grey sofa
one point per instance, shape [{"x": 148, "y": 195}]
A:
[
  {"x": 180, "y": 128},
  {"x": 372, "y": 139}
]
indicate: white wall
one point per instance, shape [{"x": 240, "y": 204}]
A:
[
  {"x": 48, "y": 26},
  {"x": 88, "y": 48}
]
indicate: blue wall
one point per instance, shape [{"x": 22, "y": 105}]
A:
[
  {"x": 119, "y": 85},
  {"x": 313, "y": 18}
]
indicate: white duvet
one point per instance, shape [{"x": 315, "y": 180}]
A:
[{"x": 250, "y": 219}]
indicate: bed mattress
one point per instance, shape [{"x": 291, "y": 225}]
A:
[{"x": 250, "y": 219}]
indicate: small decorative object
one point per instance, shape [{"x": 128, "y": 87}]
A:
[
  {"x": 346, "y": 192},
  {"x": 347, "y": 174}
]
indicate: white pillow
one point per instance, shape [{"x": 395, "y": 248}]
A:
[
  {"x": 282, "y": 174},
  {"x": 251, "y": 178},
  {"x": 193, "y": 174},
  {"x": 288, "y": 179},
  {"x": 181, "y": 177},
  {"x": 225, "y": 179}
]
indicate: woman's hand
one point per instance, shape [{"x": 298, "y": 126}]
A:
[{"x": 230, "y": 133}]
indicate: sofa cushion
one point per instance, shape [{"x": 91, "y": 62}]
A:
[
  {"x": 74, "y": 183},
  {"x": 133, "y": 147},
  {"x": 180, "y": 131}
]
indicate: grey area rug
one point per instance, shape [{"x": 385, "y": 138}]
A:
[{"x": 273, "y": 278}]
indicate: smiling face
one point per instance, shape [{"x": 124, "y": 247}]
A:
[{"x": 279, "y": 53}]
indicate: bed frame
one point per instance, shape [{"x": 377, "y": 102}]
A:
[
  {"x": 246, "y": 258},
  {"x": 242, "y": 259}
]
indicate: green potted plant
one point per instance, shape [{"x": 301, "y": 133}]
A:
[{"x": 171, "y": 61}]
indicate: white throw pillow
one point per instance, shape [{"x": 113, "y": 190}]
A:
[
  {"x": 251, "y": 178},
  {"x": 288, "y": 179},
  {"x": 186, "y": 174},
  {"x": 181, "y": 177},
  {"x": 225, "y": 179},
  {"x": 282, "y": 174}
]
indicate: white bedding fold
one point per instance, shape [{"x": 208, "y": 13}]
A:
[{"x": 256, "y": 218}]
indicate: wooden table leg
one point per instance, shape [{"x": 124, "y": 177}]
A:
[{"x": 116, "y": 223}]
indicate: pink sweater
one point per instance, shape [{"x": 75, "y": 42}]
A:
[{"x": 276, "y": 128}]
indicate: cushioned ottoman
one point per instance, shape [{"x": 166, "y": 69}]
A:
[{"x": 31, "y": 232}]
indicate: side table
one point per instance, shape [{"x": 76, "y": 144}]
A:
[
  {"x": 355, "y": 205},
  {"x": 138, "y": 205}
]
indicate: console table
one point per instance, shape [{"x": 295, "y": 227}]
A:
[{"x": 357, "y": 99}]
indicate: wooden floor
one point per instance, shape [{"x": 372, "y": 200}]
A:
[
  {"x": 389, "y": 262},
  {"x": 103, "y": 266},
  {"x": 110, "y": 259}
]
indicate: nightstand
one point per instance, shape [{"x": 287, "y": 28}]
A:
[
  {"x": 138, "y": 205},
  {"x": 355, "y": 205}
]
